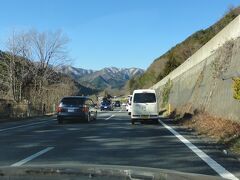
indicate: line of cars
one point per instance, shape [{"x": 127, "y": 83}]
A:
[
  {"x": 82, "y": 108},
  {"x": 142, "y": 106},
  {"x": 107, "y": 105}
]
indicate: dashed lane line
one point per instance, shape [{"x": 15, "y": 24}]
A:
[
  {"x": 212, "y": 163},
  {"x": 110, "y": 117},
  {"x": 19, "y": 163}
]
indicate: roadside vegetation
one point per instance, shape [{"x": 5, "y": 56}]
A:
[
  {"x": 236, "y": 88},
  {"x": 169, "y": 61},
  {"x": 166, "y": 92},
  {"x": 29, "y": 82},
  {"x": 225, "y": 132}
]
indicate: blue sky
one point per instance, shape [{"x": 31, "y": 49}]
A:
[{"x": 120, "y": 33}]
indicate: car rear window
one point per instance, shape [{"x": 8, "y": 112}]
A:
[
  {"x": 73, "y": 101},
  {"x": 144, "y": 98},
  {"x": 106, "y": 103}
]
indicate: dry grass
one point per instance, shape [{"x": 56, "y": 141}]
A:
[{"x": 222, "y": 130}]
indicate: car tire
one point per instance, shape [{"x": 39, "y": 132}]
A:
[
  {"x": 95, "y": 118},
  {"x": 133, "y": 122},
  {"x": 88, "y": 118},
  {"x": 155, "y": 121},
  {"x": 60, "y": 121}
]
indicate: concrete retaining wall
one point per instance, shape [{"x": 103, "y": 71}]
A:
[{"x": 204, "y": 81}]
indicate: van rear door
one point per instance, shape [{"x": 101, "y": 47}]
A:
[{"x": 144, "y": 103}]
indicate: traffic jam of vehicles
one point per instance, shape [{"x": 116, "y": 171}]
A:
[{"x": 141, "y": 106}]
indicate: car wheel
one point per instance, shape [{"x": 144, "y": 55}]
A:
[
  {"x": 155, "y": 121},
  {"x": 95, "y": 117},
  {"x": 88, "y": 118},
  {"x": 133, "y": 122},
  {"x": 60, "y": 121}
]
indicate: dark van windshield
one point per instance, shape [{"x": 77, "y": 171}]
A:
[{"x": 144, "y": 98}]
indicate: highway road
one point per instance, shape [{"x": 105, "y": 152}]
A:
[{"x": 112, "y": 140}]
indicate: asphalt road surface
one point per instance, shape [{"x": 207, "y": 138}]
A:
[{"x": 112, "y": 140}]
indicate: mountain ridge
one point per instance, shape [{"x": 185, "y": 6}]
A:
[
  {"x": 108, "y": 77},
  {"x": 179, "y": 53}
]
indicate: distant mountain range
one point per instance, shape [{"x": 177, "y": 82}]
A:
[{"x": 111, "y": 77}]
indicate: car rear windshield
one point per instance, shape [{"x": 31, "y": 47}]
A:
[
  {"x": 73, "y": 101},
  {"x": 144, "y": 98},
  {"x": 105, "y": 103}
]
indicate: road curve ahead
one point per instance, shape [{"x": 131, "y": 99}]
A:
[{"x": 110, "y": 140}]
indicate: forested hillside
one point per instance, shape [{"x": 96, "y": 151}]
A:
[
  {"x": 29, "y": 84},
  {"x": 166, "y": 63}
]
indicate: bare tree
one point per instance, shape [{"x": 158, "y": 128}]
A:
[
  {"x": 30, "y": 60},
  {"x": 48, "y": 52},
  {"x": 11, "y": 56},
  {"x": 18, "y": 52},
  {"x": 49, "y": 49},
  {"x": 35, "y": 54}
]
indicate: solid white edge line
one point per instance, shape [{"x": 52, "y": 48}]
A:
[
  {"x": 212, "y": 163},
  {"x": 25, "y": 125},
  {"x": 110, "y": 117},
  {"x": 19, "y": 163}
]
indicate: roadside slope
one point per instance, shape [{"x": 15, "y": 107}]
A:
[
  {"x": 205, "y": 80},
  {"x": 169, "y": 61}
]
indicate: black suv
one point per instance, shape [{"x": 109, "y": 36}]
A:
[
  {"x": 77, "y": 108},
  {"x": 117, "y": 104}
]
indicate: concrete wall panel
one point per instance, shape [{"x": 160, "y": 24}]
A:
[{"x": 204, "y": 81}]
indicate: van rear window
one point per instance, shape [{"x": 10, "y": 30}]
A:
[{"x": 144, "y": 98}]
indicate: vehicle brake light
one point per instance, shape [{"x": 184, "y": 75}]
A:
[
  {"x": 85, "y": 109},
  {"x": 59, "y": 108}
]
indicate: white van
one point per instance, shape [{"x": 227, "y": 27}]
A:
[
  {"x": 129, "y": 105},
  {"x": 144, "y": 106}
]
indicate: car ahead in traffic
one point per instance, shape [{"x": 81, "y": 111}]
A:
[
  {"x": 117, "y": 104},
  {"x": 106, "y": 106},
  {"x": 76, "y": 108},
  {"x": 144, "y": 106}
]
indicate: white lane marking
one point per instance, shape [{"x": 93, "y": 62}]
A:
[
  {"x": 25, "y": 125},
  {"x": 212, "y": 163},
  {"x": 110, "y": 117},
  {"x": 19, "y": 163}
]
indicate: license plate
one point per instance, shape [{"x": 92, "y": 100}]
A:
[
  {"x": 105, "y": 107},
  {"x": 145, "y": 116},
  {"x": 70, "y": 110}
]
